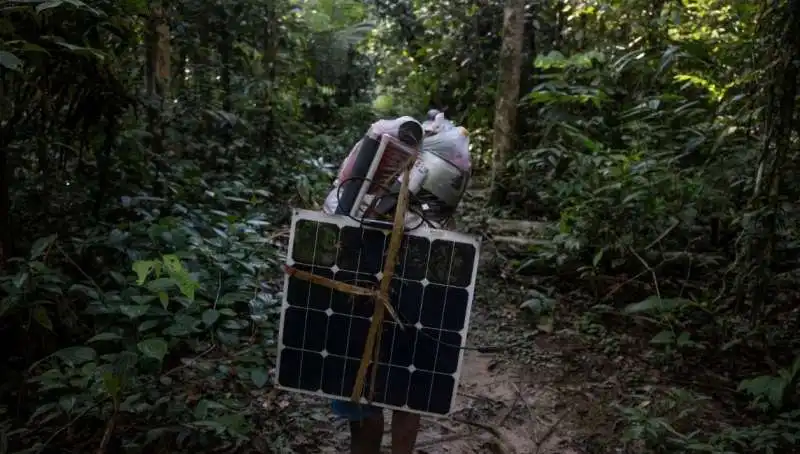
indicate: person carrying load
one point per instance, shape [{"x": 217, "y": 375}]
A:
[{"x": 366, "y": 189}]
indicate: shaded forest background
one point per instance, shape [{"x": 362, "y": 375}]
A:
[{"x": 150, "y": 151}]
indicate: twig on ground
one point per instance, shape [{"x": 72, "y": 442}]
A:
[
  {"x": 649, "y": 269},
  {"x": 501, "y": 419},
  {"x": 524, "y": 400},
  {"x": 551, "y": 430},
  {"x": 477, "y": 397},
  {"x": 448, "y": 438},
  {"x": 503, "y": 443},
  {"x": 442, "y": 425}
]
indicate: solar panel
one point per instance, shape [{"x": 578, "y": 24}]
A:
[{"x": 323, "y": 331}]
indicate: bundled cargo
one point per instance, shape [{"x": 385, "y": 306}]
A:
[{"x": 369, "y": 179}]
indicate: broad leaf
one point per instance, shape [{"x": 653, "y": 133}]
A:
[
  {"x": 10, "y": 61},
  {"x": 210, "y": 316},
  {"x": 259, "y": 377},
  {"x": 155, "y": 348},
  {"x": 76, "y": 355}
]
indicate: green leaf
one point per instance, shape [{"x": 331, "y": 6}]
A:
[
  {"x": 656, "y": 304},
  {"x": 76, "y": 355},
  {"x": 664, "y": 337},
  {"x": 161, "y": 284},
  {"x": 173, "y": 264},
  {"x": 10, "y": 61},
  {"x": 259, "y": 377},
  {"x": 112, "y": 384},
  {"x": 42, "y": 318},
  {"x": 105, "y": 337},
  {"x": 701, "y": 447},
  {"x": 155, "y": 348},
  {"x": 20, "y": 280},
  {"x": 143, "y": 299},
  {"x": 48, "y": 4},
  {"x": 67, "y": 403},
  {"x": 775, "y": 393},
  {"x": 164, "y": 298},
  {"x": 210, "y": 316},
  {"x": 545, "y": 324},
  {"x": 41, "y": 245},
  {"x": 118, "y": 277},
  {"x": 597, "y": 258},
  {"x": 683, "y": 339},
  {"x": 142, "y": 268},
  {"x": 148, "y": 324},
  {"x": 188, "y": 287},
  {"x": 134, "y": 311},
  {"x": 181, "y": 276},
  {"x": 86, "y": 290}
]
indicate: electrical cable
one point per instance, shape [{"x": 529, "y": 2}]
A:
[{"x": 388, "y": 192}]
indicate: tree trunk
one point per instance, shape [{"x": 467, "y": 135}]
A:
[
  {"x": 761, "y": 228},
  {"x": 505, "y": 115},
  {"x": 6, "y": 245},
  {"x": 270, "y": 48},
  {"x": 157, "y": 75}
]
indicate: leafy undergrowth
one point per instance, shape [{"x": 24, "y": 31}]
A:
[
  {"x": 621, "y": 392},
  {"x": 644, "y": 374},
  {"x": 634, "y": 391},
  {"x": 172, "y": 315}
]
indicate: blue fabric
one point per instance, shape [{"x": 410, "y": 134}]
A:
[{"x": 353, "y": 411}]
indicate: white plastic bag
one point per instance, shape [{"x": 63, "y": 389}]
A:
[{"x": 451, "y": 144}]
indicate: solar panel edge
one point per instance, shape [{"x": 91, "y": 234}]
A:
[
  {"x": 364, "y": 401},
  {"x": 284, "y": 298},
  {"x": 422, "y": 231},
  {"x": 284, "y": 305},
  {"x": 468, "y": 318}
]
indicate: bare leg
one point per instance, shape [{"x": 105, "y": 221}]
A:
[
  {"x": 366, "y": 435},
  {"x": 404, "y": 432}
]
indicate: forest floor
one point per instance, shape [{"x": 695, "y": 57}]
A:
[{"x": 537, "y": 390}]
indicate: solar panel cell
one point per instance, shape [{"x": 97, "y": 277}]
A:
[{"x": 323, "y": 331}]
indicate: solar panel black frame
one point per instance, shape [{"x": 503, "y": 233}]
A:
[{"x": 329, "y": 356}]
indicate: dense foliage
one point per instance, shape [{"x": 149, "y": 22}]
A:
[{"x": 150, "y": 151}]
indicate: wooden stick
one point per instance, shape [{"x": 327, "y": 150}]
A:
[
  {"x": 345, "y": 288},
  {"x": 388, "y": 273},
  {"x": 330, "y": 283},
  {"x": 388, "y": 268}
]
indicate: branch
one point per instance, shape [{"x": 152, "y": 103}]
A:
[
  {"x": 551, "y": 430},
  {"x": 345, "y": 288},
  {"x": 504, "y": 445},
  {"x": 649, "y": 268},
  {"x": 374, "y": 334}
]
